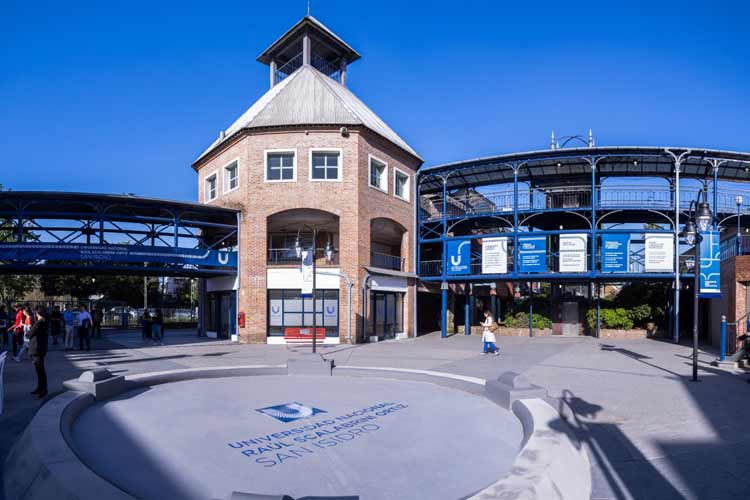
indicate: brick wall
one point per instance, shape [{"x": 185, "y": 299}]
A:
[{"x": 351, "y": 199}]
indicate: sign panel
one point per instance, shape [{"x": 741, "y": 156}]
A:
[
  {"x": 573, "y": 253},
  {"x": 532, "y": 254},
  {"x": 307, "y": 273},
  {"x": 459, "y": 257},
  {"x": 615, "y": 253},
  {"x": 659, "y": 253},
  {"x": 116, "y": 253},
  {"x": 495, "y": 255},
  {"x": 710, "y": 268}
]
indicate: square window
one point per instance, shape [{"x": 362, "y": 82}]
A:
[
  {"x": 280, "y": 166},
  {"x": 231, "y": 179},
  {"x": 401, "y": 185},
  {"x": 325, "y": 166},
  {"x": 210, "y": 187},
  {"x": 378, "y": 175}
]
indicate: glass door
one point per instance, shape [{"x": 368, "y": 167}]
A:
[{"x": 387, "y": 314}]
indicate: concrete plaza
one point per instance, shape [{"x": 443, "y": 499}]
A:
[{"x": 650, "y": 432}]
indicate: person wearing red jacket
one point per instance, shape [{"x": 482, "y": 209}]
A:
[{"x": 17, "y": 331}]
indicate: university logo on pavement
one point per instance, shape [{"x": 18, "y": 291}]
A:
[{"x": 290, "y": 412}]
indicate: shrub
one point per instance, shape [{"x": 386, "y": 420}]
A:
[{"x": 521, "y": 320}]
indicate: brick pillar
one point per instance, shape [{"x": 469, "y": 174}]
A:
[{"x": 253, "y": 283}]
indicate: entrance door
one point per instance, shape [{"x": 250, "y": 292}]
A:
[
  {"x": 387, "y": 314},
  {"x": 570, "y": 318}
]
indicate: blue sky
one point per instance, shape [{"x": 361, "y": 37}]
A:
[{"x": 122, "y": 96}]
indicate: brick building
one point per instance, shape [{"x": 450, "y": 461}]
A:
[{"x": 310, "y": 155}]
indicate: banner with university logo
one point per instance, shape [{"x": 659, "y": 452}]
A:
[
  {"x": 659, "y": 253},
  {"x": 532, "y": 254},
  {"x": 615, "y": 253},
  {"x": 573, "y": 253},
  {"x": 710, "y": 265},
  {"x": 459, "y": 257},
  {"x": 307, "y": 273},
  {"x": 495, "y": 255}
]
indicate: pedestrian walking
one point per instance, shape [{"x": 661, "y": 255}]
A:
[
  {"x": 4, "y": 326},
  {"x": 38, "y": 350},
  {"x": 84, "y": 328},
  {"x": 146, "y": 325},
  {"x": 158, "y": 327},
  {"x": 55, "y": 321},
  {"x": 488, "y": 334},
  {"x": 69, "y": 318},
  {"x": 23, "y": 330},
  {"x": 96, "y": 321}
]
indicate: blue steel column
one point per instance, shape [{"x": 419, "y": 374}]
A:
[
  {"x": 531, "y": 309},
  {"x": 598, "y": 309},
  {"x": 515, "y": 219},
  {"x": 676, "y": 309},
  {"x": 444, "y": 267},
  {"x": 467, "y": 309},
  {"x": 594, "y": 202}
]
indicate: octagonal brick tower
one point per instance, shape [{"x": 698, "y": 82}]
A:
[{"x": 309, "y": 153}]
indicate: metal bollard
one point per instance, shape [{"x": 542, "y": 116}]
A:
[{"x": 723, "y": 352}]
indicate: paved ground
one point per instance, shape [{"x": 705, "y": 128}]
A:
[{"x": 650, "y": 431}]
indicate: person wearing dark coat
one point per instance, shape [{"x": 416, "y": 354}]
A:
[{"x": 38, "y": 350}]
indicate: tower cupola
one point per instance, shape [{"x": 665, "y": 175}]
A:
[{"x": 308, "y": 43}]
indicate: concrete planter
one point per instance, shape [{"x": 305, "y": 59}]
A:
[{"x": 635, "y": 333}]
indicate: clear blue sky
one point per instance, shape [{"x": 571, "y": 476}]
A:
[{"x": 102, "y": 97}]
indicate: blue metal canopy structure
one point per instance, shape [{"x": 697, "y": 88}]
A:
[
  {"x": 540, "y": 201},
  {"x": 80, "y": 233}
]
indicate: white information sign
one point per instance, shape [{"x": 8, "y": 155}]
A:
[
  {"x": 494, "y": 255},
  {"x": 659, "y": 253},
  {"x": 573, "y": 253}
]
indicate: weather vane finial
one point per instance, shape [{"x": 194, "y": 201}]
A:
[{"x": 308, "y": 7}]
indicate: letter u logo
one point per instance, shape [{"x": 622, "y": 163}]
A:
[{"x": 223, "y": 258}]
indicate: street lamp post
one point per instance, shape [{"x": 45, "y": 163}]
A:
[
  {"x": 738, "y": 200},
  {"x": 701, "y": 217},
  {"x": 329, "y": 251}
]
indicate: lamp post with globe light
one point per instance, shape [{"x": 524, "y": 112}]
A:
[
  {"x": 699, "y": 220},
  {"x": 329, "y": 251}
]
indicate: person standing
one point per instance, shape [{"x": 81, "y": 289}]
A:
[
  {"x": 84, "y": 328},
  {"x": 24, "y": 330},
  {"x": 4, "y": 325},
  {"x": 488, "y": 336},
  {"x": 69, "y": 318},
  {"x": 146, "y": 325},
  {"x": 158, "y": 327},
  {"x": 96, "y": 321},
  {"x": 16, "y": 332},
  {"x": 55, "y": 320},
  {"x": 38, "y": 350}
]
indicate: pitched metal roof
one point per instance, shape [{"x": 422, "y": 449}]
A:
[
  {"x": 560, "y": 166},
  {"x": 309, "y": 21},
  {"x": 308, "y": 97}
]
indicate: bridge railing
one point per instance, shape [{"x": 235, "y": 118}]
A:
[{"x": 577, "y": 197}]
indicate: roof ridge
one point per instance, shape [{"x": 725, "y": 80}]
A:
[{"x": 322, "y": 78}]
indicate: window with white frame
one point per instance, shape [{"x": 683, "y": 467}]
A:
[
  {"x": 325, "y": 165},
  {"x": 378, "y": 174},
  {"x": 401, "y": 185},
  {"x": 281, "y": 166},
  {"x": 210, "y": 187},
  {"x": 231, "y": 178}
]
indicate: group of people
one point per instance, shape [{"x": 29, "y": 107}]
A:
[
  {"x": 30, "y": 331},
  {"x": 153, "y": 327}
]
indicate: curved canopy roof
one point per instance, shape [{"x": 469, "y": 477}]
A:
[
  {"x": 565, "y": 166},
  {"x": 39, "y": 204}
]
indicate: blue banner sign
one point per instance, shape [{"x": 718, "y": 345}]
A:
[
  {"x": 459, "y": 257},
  {"x": 615, "y": 253},
  {"x": 710, "y": 266},
  {"x": 116, "y": 253},
  {"x": 532, "y": 254}
]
